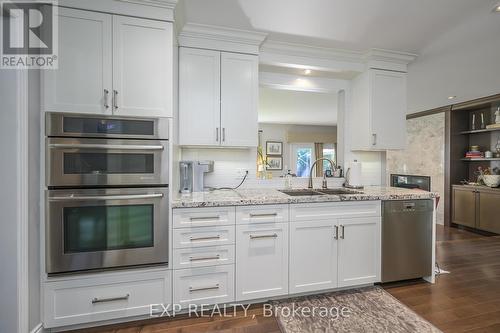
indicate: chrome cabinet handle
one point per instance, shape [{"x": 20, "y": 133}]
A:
[
  {"x": 201, "y": 218},
  {"x": 263, "y": 236},
  {"x": 217, "y": 134},
  {"x": 104, "y": 146},
  {"x": 223, "y": 134},
  {"x": 264, "y": 215},
  {"x": 336, "y": 236},
  {"x": 341, "y": 232},
  {"x": 110, "y": 299},
  {"x": 106, "y": 97},
  {"x": 204, "y": 258},
  {"x": 194, "y": 239},
  {"x": 374, "y": 141},
  {"x": 115, "y": 99},
  {"x": 191, "y": 289},
  {"x": 73, "y": 197}
]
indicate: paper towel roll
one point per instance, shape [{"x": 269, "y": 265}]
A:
[{"x": 354, "y": 178}]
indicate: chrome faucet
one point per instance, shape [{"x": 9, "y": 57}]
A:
[{"x": 324, "y": 183}]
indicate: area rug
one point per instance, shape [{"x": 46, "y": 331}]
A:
[{"x": 369, "y": 309}]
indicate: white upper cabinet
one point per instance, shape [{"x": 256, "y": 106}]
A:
[
  {"x": 83, "y": 81},
  {"x": 239, "y": 98},
  {"x": 378, "y": 120},
  {"x": 218, "y": 94},
  {"x": 142, "y": 67},
  {"x": 111, "y": 64},
  {"x": 199, "y": 96}
]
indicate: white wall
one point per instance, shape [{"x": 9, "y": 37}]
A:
[
  {"x": 9, "y": 191},
  {"x": 463, "y": 62},
  {"x": 297, "y": 107}
]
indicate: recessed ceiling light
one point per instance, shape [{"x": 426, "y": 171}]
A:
[
  {"x": 307, "y": 71},
  {"x": 496, "y": 9},
  {"x": 451, "y": 97}
]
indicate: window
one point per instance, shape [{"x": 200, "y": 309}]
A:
[
  {"x": 303, "y": 156},
  {"x": 302, "y": 159},
  {"x": 329, "y": 152}
]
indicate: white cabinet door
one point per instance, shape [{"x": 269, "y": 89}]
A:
[
  {"x": 261, "y": 260},
  {"x": 83, "y": 81},
  {"x": 359, "y": 251},
  {"x": 388, "y": 109},
  {"x": 199, "y": 97},
  {"x": 313, "y": 256},
  {"x": 239, "y": 98},
  {"x": 142, "y": 67}
]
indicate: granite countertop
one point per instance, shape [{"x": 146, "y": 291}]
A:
[{"x": 242, "y": 197}]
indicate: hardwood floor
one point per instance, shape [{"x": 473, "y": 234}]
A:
[{"x": 466, "y": 300}]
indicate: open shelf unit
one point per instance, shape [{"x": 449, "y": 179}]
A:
[
  {"x": 485, "y": 130},
  {"x": 459, "y": 138}
]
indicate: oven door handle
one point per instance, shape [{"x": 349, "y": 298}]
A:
[
  {"x": 107, "y": 197},
  {"x": 105, "y": 146}
]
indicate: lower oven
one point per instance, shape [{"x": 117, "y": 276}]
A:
[{"x": 89, "y": 229}]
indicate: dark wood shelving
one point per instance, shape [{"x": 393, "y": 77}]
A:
[
  {"x": 485, "y": 130},
  {"x": 481, "y": 159}
]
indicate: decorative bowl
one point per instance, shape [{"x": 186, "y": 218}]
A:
[{"x": 491, "y": 180}]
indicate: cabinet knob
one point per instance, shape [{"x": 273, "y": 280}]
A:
[{"x": 374, "y": 139}]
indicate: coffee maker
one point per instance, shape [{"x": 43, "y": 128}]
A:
[{"x": 192, "y": 175}]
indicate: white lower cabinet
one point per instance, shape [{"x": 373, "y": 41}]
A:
[
  {"x": 261, "y": 260},
  {"x": 359, "y": 251},
  {"x": 334, "y": 245},
  {"x": 104, "y": 296},
  {"x": 206, "y": 285},
  {"x": 313, "y": 256}
]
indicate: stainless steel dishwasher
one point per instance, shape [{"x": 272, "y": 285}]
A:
[{"x": 406, "y": 239}]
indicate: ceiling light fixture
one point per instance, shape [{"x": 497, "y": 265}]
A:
[
  {"x": 496, "y": 9},
  {"x": 307, "y": 71},
  {"x": 452, "y": 97}
]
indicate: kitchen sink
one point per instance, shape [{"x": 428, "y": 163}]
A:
[
  {"x": 338, "y": 191},
  {"x": 329, "y": 191},
  {"x": 301, "y": 192}
]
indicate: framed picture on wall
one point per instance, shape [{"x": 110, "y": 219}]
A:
[
  {"x": 274, "y": 163},
  {"x": 274, "y": 148}
]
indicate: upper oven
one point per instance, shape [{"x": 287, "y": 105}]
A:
[{"x": 103, "y": 151}]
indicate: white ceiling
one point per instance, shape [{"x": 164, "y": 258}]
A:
[
  {"x": 297, "y": 107},
  {"x": 400, "y": 25}
]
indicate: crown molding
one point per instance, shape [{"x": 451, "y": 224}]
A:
[
  {"x": 388, "y": 59},
  {"x": 323, "y": 58},
  {"x": 168, "y": 4},
  {"x": 309, "y": 51},
  {"x": 162, "y": 10},
  {"x": 221, "y": 38}
]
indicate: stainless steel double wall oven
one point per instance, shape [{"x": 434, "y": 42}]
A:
[{"x": 107, "y": 198}]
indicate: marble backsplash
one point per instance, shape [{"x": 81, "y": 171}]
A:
[{"x": 424, "y": 154}]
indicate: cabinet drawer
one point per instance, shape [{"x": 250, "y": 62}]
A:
[
  {"x": 207, "y": 285},
  {"x": 203, "y": 256},
  {"x": 203, "y": 236},
  {"x": 114, "y": 296},
  {"x": 261, "y": 214},
  {"x": 203, "y": 217},
  {"x": 325, "y": 211}
]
